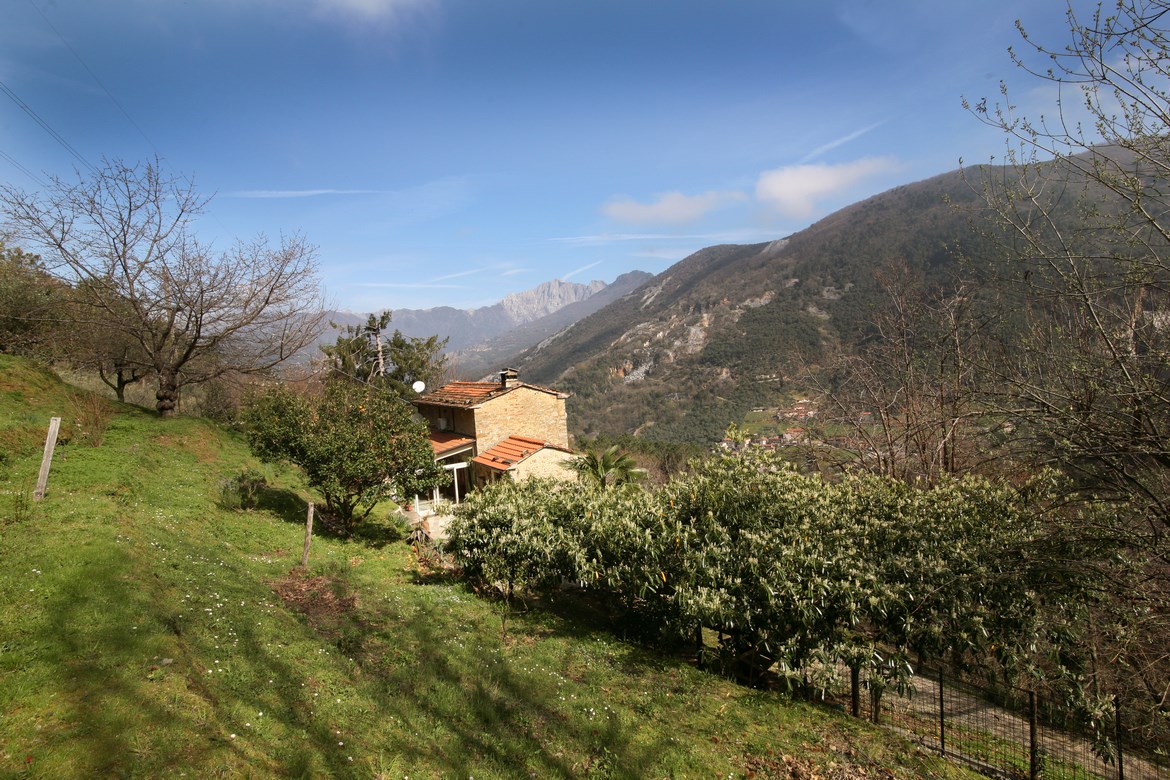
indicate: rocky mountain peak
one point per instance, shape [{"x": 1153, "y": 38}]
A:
[{"x": 546, "y": 298}]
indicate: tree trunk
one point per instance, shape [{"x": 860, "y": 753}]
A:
[{"x": 167, "y": 397}]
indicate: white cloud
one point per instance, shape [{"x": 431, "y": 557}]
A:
[
  {"x": 372, "y": 9},
  {"x": 409, "y": 286},
  {"x": 458, "y": 275},
  {"x": 296, "y": 193},
  {"x": 670, "y": 208},
  {"x": 725, "y": 237},
  {"x": 794, "y": 190}
]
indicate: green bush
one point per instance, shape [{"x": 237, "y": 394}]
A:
[
  {"x": 242, "y": 491},
  {"x": 791, "y": 572}
]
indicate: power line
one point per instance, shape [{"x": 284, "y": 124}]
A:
[
  {"x": 114, "y": 100},
  {"x": 26, "y": 108},
  {"x": 12, "y": 161}
]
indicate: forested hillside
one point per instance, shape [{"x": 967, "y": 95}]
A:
[{"x": 734, "y": 327}]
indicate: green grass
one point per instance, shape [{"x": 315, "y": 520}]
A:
[{"x": 146, "y": 632}]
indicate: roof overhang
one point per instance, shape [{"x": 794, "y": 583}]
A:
[{"x": 447, "y": 445}]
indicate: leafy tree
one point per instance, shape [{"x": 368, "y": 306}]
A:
[
  {"x": 519, "y": 535},
  {"x": 362, "y": 353},
  {"x": 357, "y": 444},
  {"x": 124, "y": 238},
  {"x": 790, "y": 572},
  {"x": 31, "y": 304},
  {"x": 661, "y": 459},
  {"x": 608, "y": 467},
  {"x": 537, "y": 534}
]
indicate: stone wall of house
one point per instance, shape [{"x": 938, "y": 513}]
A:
[
  {"x": 522, "y": 412},
  {"x": 544, "y": 463}
]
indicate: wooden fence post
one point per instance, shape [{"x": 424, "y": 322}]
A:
[
  {"x": 1117, "y": 737},
  {"x": 1033, "y": 740},
  {"x": 47, "y": 458},
  {"x": 308, "y": 535},
  {"x": 942, "y": 714},
  {"x": 855, "y": 690}
]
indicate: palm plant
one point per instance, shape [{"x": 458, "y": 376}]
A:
[{"x": 609, "y": 467}]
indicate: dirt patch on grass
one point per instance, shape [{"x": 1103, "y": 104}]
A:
[
  {"x": 789, "y": 767},
  {"x": 324, "y": 601}
]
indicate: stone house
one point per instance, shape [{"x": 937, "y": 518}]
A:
[{"x": 484, "y": 431}]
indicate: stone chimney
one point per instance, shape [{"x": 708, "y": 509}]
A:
[{"x": 509, "y": 377}]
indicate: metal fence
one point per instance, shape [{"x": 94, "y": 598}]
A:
[{"x": 1008, "y": 732}]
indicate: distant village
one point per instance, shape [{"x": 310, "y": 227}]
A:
[{"x": 793, "y": 434}]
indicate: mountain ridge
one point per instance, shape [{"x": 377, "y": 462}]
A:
[
  {"x": 465, "y": 328},
  {"x": 732, "y": 327}
]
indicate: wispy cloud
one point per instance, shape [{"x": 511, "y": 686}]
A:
[
  {"x": 831, "y": 145},
  {"x": 458, "y": 275},
  {"x": 793, "y": 191},
  {"x": 514, "y": 271},
  {"x": 602, "y": 239},
  {"x": 410, "y": 286},
  {"x": 387, "y": 10},
  {"x": 664, "y": 254},
  {"x": 580, "y": 270},
  {"x": 298, "y": 193},
  {"x": 673, "y": 208}
]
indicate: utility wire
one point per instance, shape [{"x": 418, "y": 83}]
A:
[
  {"x": 114, "y": 100},
  {"x": 26, "y": 108},
  {"x": 12, "y": 161}
]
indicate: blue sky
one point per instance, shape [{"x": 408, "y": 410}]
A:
[{"x": 447, "y": 152}]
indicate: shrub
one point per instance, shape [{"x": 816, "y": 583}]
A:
[
  {"x": 91, "y": 418},
  {"x": 243, "y": 490}
]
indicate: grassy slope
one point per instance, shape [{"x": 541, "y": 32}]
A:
[{"x": 141, "y": 636}]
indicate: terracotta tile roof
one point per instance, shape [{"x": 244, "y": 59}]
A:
[
  {"x": 471, "y": 394},
  {"x": 462, "y": 393},
  {"x": 511, "y": 451},
  {"x": 445, "y": 441}
]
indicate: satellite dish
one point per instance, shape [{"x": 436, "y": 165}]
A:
[{"x": 418, "y": 386}]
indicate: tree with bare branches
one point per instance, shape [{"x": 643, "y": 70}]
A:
[
  {"x": 123, "y": 238},
  {"x": 911, "y": 400},
  {"x": 1083, "y": 207}
]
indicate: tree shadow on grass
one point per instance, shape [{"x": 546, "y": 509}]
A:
[
  {"x": 424, "y": 688},
  {"x": 466, "y": 706},
  {"x": 282, "y": 502},
  {"x": 374, "y": 531}
]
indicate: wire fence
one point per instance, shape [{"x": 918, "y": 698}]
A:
[{"x": 1008, "y": 732}]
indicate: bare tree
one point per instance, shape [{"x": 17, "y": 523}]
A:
[
  {"x": 911, "y": 399},
  {"x": 123, "y": 238},
  {"x": 1084, "y": 204},
  {"x": 103, "y": 346}
]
